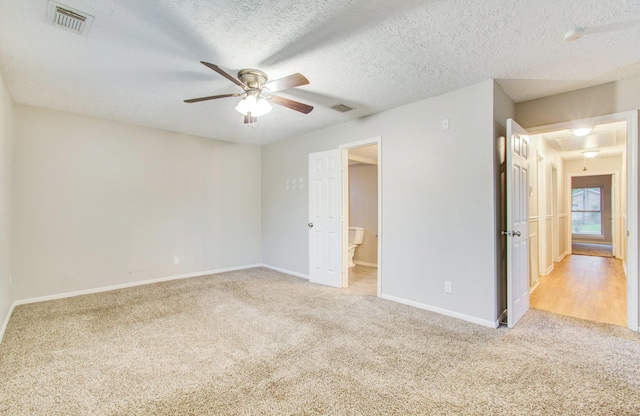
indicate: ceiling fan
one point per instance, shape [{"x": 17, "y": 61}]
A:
[{"x": 257, "y": 92}]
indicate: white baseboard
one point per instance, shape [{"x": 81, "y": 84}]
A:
[
  {"x": 549, "y": 270},
  {"x": 277, "y": 269},
  {"x": 441, "y": 311},
  {"x": 534, "y": 286},
  {"x": 6, "y": 321},
  {"x": 563, "y": 255},
  {"x": 131, "y": 284},
  {"x": 365, "y": 263}
]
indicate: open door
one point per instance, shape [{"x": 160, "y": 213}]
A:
[
  {"x": 324, "y": 218},
  {"x": 517, "y": 233}
]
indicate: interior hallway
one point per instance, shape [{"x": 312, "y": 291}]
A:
[{"x": 586, "y": 287}]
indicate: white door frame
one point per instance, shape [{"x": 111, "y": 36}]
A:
[
  {"x": 631, "y": 118},
  {"x": 555, "y": 232},
  {"x": 543, "y": 194},
  {"x": 344, "y": 216}
]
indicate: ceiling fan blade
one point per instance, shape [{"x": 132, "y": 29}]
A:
[
  {"x": 224, "y": 74},
  {"x": 212, "y": 97},
  {"x": 294, "y": 105},
  {"x": 294, "y": 80}
]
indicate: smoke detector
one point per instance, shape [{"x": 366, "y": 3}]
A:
[{"x": 68, "y": 18}]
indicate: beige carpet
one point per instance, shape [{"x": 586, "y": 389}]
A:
[
  {"x": 590, "y": 249},
  {"x": 261, "y": 342}
]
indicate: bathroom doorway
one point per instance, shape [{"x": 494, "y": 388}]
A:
[{"x": 361, "y": 217}]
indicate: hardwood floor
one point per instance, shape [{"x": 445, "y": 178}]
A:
[
  {"x": 586, "y": 287},
  {"x": 363, "y": 280}
]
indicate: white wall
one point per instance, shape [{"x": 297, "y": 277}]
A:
[
  {"x": 438, "y": 200},
  {"x": 100, "y": 203},
  {"x": 363, "y": 210},
  {"x": 610, "y": 98},
  {"x": 547, "y": 227},
  {"x": 6, "y": 168}
]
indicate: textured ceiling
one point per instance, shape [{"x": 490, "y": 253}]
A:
[{"x": 141, "y": 58}]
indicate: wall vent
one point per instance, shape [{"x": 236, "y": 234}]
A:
[
  {"x": 343, "y": 108},
  {"x": 68, "y": 18}
]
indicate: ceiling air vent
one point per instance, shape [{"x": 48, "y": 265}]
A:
[
  {"x": 68, "y": 18},
  {"x": 343, "y": 108}
]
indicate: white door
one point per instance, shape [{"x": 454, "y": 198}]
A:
[
  {"x": 517, "y": 232},
  {"x": 324, "y": 218}
]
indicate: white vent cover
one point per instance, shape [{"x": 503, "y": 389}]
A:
[{"x": 68, "y": 18}]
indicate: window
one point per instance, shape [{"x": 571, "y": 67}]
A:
[{"x": 586, "y": 211}]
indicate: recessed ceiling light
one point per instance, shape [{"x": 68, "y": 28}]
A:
[
  {"x": 581, "y": 131},
  {"x": 590, "y": 153}
]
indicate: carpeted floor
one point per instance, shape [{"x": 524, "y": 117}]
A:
[
  {"x": 591, "y": 249},
  {"x": 261, "y": 342}
]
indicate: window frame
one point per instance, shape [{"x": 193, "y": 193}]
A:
[{"x": 582, "y": 211}]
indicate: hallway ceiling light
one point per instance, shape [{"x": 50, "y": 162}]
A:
[
  {"x": 582, "y": 131},
  {"x": 590, "y": 153}
]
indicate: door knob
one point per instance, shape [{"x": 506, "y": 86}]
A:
[
  {"x": 517, "y": 234},
  {"x": 310, "y": 225}
]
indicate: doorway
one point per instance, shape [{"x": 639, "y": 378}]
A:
[
  {"x": 591, "y": 288},
  {"x": 361, "y": 217}
]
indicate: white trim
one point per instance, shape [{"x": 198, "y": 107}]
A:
[
  {"x": 131, "y": 284},
  {"x": 534, "y": 286},
  {"x": 633, "y": 308},
  {"x": 365, "y": 263},
  {"x": 446, "y": 312},
  {"x": 549, "y": 270},
  {"x": 6, "y": 321},
  {"x": 278, "y": 269},
  {"x": 563, "y": 255}
]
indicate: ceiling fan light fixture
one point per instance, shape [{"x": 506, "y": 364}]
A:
[
  {"x": 257, "y": 107},
  {"x": 590, "y": 153},
  {"x": 582, "y": 131}
]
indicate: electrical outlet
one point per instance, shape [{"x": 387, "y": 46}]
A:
[
  {"x": 176, "y": 260},
  {"x": 445, "y": 124},
  {"x": 447, "y": 287}
]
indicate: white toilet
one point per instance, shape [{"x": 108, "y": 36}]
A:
[{"x": 356, "y": 235}]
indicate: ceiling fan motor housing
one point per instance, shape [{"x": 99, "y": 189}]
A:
[{"x": 253, "y": 78}]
